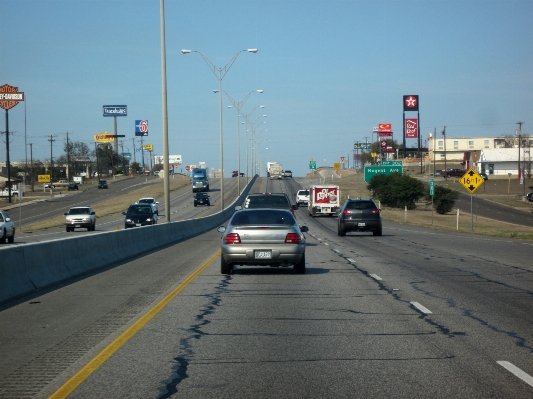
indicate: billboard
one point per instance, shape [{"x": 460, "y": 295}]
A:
[
  {"x": 410, "y": 103},
  {"x": 115, "y": 110},
  {"x": 411, "y": 128},
  {"x": 104, "y": 137}
]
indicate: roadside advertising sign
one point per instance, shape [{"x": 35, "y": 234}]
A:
[
  {"x": 385, "y": 127},
  {"x": 371, "y": 171},
  {"x": 141, "y": 127},
  {"x": 187, "y": 167},
  {"x": 43, "y": 178},
  {"x": 115, "y": 110},
  {"x": 175, "y": 159},
  {"x": 104, "y": 137},
  {"x": 411, "y": 128},
  {"x": 148, "y": 147},
  {"x": 10, "y": 96},
  {"x": 410, "y": 103}
]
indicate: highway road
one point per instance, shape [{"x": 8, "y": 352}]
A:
[{"x": 414, "y": 313}]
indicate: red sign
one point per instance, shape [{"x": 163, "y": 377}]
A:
[
  {"x": 410, "y": 103},
  {"x": 386, "y": 134},
  {"x": 385, "y": 127},
  {"x": 388, "y": 149},
  {"x": 411, "y": 128},
  {"x": 187, "y": 167},
  {"x": 10, "y": 96}
]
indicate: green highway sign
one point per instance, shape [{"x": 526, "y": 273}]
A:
[
  {"x": 391, "y": 163},
  {"x": 431, "y": 186},
  {"x": 312, "y": 165},
  {"x": 371, "y": 171}
]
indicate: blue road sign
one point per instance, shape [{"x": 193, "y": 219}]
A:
[{"x": 115, "y": 110}]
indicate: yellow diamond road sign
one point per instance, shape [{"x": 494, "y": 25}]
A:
[{"x": 471, "y": 180}]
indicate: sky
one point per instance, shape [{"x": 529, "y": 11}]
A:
[{"x": 330, "y": 71}]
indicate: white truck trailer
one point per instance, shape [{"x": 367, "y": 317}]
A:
[{"x": 324, "y": 199}]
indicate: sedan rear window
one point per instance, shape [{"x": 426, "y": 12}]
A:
[{"x": 262, "y": 218}]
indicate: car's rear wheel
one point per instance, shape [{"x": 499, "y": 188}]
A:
[
  {"x": 225, "y": 268},
  {"x": 300, "y": 266},
  {"x": 3, "y": 238},
  {"x": 11, "y": 239},
  {"x": 340, "y": 231}
]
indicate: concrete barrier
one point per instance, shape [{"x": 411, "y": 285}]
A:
[{"x": 27, "y": 268}]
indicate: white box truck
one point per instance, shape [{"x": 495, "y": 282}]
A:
[{"x": 324, "y": 199}]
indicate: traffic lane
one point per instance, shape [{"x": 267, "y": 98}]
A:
[
  {"x": 55, "y": 328},
  {"x": 46, "y": 207},
  {"x": 492, "y": 210},
  {"x": 477, "y": 287},
  {"x": 331, "y": 332}
]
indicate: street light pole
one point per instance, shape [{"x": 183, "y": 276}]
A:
[
  {"x": 238, "y": 105},
  {"x": 219, "y": 74}
]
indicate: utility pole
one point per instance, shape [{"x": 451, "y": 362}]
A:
[
  {"x": 68, "y": 159},
  {"x": 8, "y": 164},
  {"x": 134, "y": 157},
  {"x": 521, "y": 177},
  {"x": 51, "y": 140},
  {"x": 31, "y": 166}
]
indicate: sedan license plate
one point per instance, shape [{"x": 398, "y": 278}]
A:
[
  {"x": 76, "y": 225},
  {"x": 137, "y": 225},
  {"x": 263, "y": 254},
  {"x": 361, "y": 224}
]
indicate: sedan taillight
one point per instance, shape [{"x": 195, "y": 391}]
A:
[
  {"x": 232, "y": 238},
  {"x": 346, "y": 212},
  {"x": 293, "y": 238},
  {"x": 375, "y": 211}
]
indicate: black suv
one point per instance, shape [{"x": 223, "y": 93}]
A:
[
  {"x": 72, "y": 186},
  {"x": 359, "y": 215},
  {"x": 102, "y": 184},
  {"x": 202, "y": 198},
  {"x": 268, "y": 200}
]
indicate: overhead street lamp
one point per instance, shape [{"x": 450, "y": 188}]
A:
[
  {"x": 247, "y": 120},
  {"x": 238, "y": 105},
  {"x": 219, "y": 74}
]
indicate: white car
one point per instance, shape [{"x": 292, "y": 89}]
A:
[
  {"x": 302, "y": 197},
  {"x": 150, "y": 200},
  {"x": 7, "y": 228}
]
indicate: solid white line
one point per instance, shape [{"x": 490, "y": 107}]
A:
[
  {"x": 516, "y": 371},
  {"x": 421, "y": 308},
  {"x": 350, "y": 260},
  {"x": 375, "y": 277}
]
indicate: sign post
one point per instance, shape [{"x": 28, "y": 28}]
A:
[{"x": 9, "y": 97}]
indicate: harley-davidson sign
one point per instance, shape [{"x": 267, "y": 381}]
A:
[{"x": 10, "y": 96}]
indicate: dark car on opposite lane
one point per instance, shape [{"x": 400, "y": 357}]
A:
[
  {"x": 139, "y": 215},
  {"x": 202, "y": 198},
  {"x": 102, "y": 184},
  {"x": 359, "y": 215}
]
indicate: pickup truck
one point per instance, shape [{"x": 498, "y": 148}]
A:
[
  {"x": 5, "y": 192},
  {"x": 453, "y": 172},
  {"x": 59, "y": 183}
]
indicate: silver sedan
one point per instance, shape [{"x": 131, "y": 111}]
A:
[
  {"x": 262, "y": 237},
  {"x": 7, "y": 228}
]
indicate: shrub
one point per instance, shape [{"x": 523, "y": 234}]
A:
[
  {"x": 443, "y": 200},
  {"x": 396, "y": 190}
]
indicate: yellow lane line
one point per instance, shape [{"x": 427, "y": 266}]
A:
[{"x": 102, "y": 357}]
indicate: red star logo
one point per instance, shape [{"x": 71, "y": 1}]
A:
[{"x": 410, "y": 101}]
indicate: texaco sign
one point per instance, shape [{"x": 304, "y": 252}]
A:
[{"x": 10, "y": 96}]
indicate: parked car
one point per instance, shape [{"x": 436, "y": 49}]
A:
[
  {"x": 202, "y": 198},
  {"x": 73, "y": 186},
  {"x": 268, "y": 200},
  {"x": 80, "y": 217},
  {"x": 7, "y": 229},
  {"x": 150, "y": 200},
  {"x": 438, "y": 172},
  {"x": 139, "y": 215},
  {"x": 484, "y": 176},
  {"x": 49, "y": 185},
  {"x": 359, "y": 215},
  {"x": 262, "y": 237},
  {"x": 102, "y": 184},
  {"x": 302, "y": 197},
  {"x": 454, "y": 172}
]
